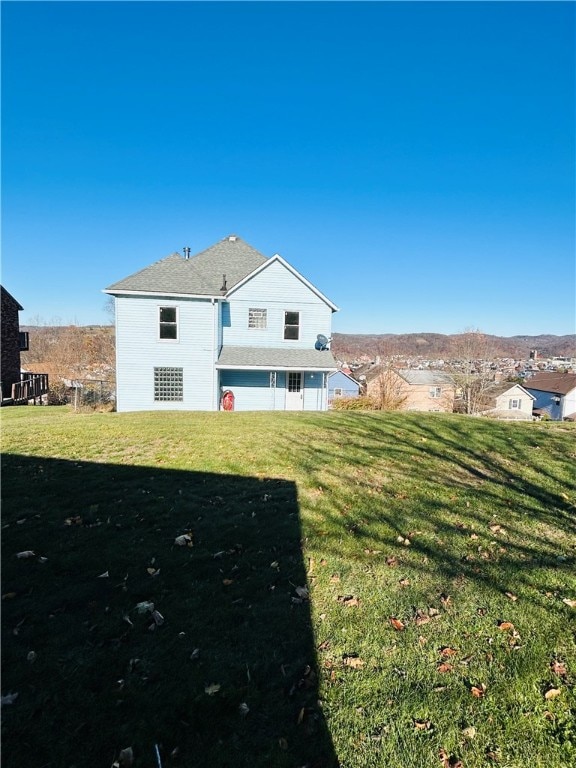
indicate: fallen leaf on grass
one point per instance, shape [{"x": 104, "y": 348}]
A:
[
  {"x": 478, "y": 691},
  {"x": 153, "y": 571},
  {"x": 404, "y": 582},
  {"x": 25, "y": 554},
  {"x": 10, "y": 698},
  {"x": 349, "y": 600},
  {"x": 446, "y": 651},
  {"x": 302, "y": 592},
  {"x": 552, "y": 693},
  {"x": 158, "y": 618},
  {"x": 185, "y": 540},
  {"x": 212, "y": 689},
  {"x": 422, "y": 725},
  {"x": 125, "y": 758},
  {"x": 392, "y": 561},
  {"x": 227, "y": 582},
  {"x": 335, "y": 578},
  {"x": 444, "y": 667},
  {"x": 496, "y": 528},
  {"x": 283, "y": 743},
  {"x": 558, "y": 668},
  {"x": 569, "y": 602},
  {"x": 449, "y": 761},
  {"x": 144, "y": 606},
  {"x": 505, "y": 626},
  {"x": 105, "y": 575},
  {"x": 403, "y": 540},
  {"x": 511, "y": 596},
  {"x": 469, "y": 732},
  {"x": 353, "y": 661},
  {"x": 243, "y": 709},
  {"x": 397, "y": 624}
]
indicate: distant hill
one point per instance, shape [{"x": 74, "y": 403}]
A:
[{"x": 349, "y": 346}]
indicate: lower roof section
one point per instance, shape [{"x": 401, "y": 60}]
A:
[{"x": 275, "y": 359}]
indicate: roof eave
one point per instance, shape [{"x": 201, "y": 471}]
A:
[{"x": 171, "y": 294}]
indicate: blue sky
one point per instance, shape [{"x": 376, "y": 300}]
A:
[{"x": 415, "y": 161}]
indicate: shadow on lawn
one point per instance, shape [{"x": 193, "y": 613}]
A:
[
  {"x": 223, "y": 675},
  {"x": 486, "y": 480}
]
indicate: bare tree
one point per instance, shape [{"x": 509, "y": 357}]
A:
[{"x": 470, "y": 369}]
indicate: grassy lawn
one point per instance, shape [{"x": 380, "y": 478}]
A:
[{"x": 214, "y": 589}]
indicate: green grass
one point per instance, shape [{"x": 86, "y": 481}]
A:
[{"x": 449, "y": 525}]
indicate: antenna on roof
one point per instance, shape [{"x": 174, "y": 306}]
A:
[
  {"x": 186, "y": 250},
  {"x": 224, "y": 287}
]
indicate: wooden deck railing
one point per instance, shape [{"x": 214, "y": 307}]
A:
[{"x": 35, "y": 385}]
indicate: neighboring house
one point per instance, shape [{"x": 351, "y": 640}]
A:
[
  {"x": 555, "y": 394},
  {"x": 225, "y": 326},
  {"x": 17, "y": 387},
  {"x": 507, "y": 401},
  {"x": 410, "y": 390},
  {"x": 13, "y": 342},
  {"x": 341, "y": 384}
]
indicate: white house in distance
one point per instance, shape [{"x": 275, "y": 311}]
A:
[{"x": 228, "y": 327}]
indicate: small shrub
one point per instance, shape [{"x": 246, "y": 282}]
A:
[
  {"x": 58, "y": 394},
  {"x": 354, "y": 404}
]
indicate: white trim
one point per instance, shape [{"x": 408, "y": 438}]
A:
[
  {"x": 299, "y": 326},
  {"x": 225, "y": 367},
  {"x": 280, "y": 260},
  {"x": 165, "y": 294},
  {"x": 167, "y": 340}
]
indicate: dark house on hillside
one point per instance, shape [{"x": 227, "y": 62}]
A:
[
  {"x": 17, "y": 388},
  {"x": 12, "y": 342}
]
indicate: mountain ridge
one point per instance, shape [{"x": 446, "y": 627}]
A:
[{"x": 350, "y": 346}]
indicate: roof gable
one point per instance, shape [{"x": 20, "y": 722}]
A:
[
  {"x": 9, "y": 300},
  {"x": 277, "y": 259}
]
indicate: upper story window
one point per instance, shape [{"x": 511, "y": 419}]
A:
[
  {"x": 435, "y": 391},
  {"x": 168, "y": 323},
  {"x": 292, "y": 326},
  {"x": 257, "y": 318}
]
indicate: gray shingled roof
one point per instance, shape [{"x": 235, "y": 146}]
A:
[
  {"x": 272, "y": 358},
  {"x": 425, "y": 378},
  {"x": 200, "y": 275}
]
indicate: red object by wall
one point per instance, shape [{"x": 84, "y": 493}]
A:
[{"x": 228, "y": 400}]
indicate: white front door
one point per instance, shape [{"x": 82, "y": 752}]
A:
[{"x": 294, "y": 392}]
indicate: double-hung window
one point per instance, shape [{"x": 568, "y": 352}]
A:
[
  {"x": 435, "y": 392},
  {"x": 515, "y": 403},
  {"x": 168, "y": 323},
  {"x": 291, "y": 326}
]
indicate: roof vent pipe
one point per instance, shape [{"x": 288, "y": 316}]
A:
[
  {"x": 186, "y": 250},
  {"x": 224, "y": 287}
]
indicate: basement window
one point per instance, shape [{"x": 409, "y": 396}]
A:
[
  {"x": 168, "y": 384},
  {"x": 168, "y": 323}
]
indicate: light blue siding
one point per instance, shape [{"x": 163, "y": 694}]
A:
[
  {"x": 252, "y": 390},
  {"x": 139, "y": 350},
  {"x": 340, "y": 380},
  {"x": 277, "y": 290}
]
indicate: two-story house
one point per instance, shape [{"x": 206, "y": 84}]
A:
[
  {"x": 554, "y": 393},
  {"x": 226, "y": 322}
]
